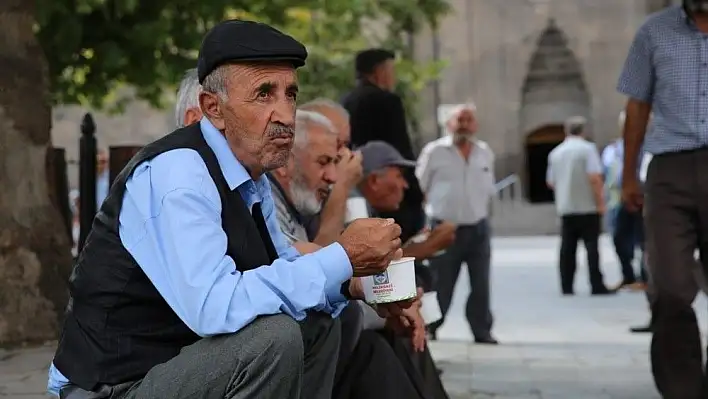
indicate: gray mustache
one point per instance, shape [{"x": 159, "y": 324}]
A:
[{"x": 281, "y": 132}]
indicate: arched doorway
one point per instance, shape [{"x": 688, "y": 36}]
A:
[
  {"x": 553, "y": 91},
  {"x": 539, "y": 144}
]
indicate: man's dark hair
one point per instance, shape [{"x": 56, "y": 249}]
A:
[{"x": 367, "y": 60}]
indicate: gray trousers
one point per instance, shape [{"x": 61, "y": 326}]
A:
[
  {"x": 472, "y": 246},
  {"x": 273, "y": 357}
]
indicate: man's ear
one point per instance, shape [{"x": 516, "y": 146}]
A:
[{"x": 212, "y": 107}]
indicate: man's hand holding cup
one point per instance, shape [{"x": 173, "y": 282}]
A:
[{"x": 371, "y": 245}]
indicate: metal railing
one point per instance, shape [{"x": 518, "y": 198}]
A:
[{"x": 508, "y": 187}]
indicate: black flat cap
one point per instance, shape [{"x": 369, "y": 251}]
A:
[{"x": 237, "y": 40}]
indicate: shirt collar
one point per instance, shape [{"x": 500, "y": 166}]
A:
[{"x": 234, "y": 173}]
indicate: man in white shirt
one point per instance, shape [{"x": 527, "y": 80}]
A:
[
  {"x": 456, "y": 173},
  {"x": 575, "y": 175}
]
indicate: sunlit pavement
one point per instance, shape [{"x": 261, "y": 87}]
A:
[{"x": 553, "y": 347}]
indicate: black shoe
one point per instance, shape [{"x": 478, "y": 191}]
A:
[
  {"x": 568, "y": 293},
  {"x": 486, "y": 341},
  {"x": 641, "y": 329},
  {"x": 432, "y": 334},
  {"x": 603, "y": 291}
]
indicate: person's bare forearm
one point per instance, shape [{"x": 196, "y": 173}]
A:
[
  {"x": 598, "y": 190},
  {"x": 418, "y": 250},
  {"x": 635, "y": 127},
  {"x": 332, "y": 216}
]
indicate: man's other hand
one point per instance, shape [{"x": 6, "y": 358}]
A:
[
  {"x": 371, "y": 245},
  {"x": 632, "y": 196},
  {"x": 386, "y": 310},
  {"x": 409, "y": 323}
]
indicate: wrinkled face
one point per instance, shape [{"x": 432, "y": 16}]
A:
[
  {"x": 257, "y": 116},
  {"x": 384, "y": 190},
  {"x": 314, "y": 170},
  {"x": 696, "y": 6},
  {"x": 463, "y": 123}
]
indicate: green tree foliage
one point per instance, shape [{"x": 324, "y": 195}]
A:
[{"x": 95, "y": 46}]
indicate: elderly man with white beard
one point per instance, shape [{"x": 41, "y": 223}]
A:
[
  {"x": 314, "y": 155},
  {"x": 368, "y": 366}
]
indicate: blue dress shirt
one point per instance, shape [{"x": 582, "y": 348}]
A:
[{"x": 170, "y": 222}]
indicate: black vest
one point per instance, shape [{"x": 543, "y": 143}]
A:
[{"x": 117, "y": 326}]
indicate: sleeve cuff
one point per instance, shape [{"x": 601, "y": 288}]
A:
[{"x": 337, "y": 269}]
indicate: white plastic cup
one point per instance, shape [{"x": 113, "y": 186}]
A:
[
  {"x": 430, "y": 307},
  {"x": 395, "y": 284},
  {"x": 356, "y": 209}
]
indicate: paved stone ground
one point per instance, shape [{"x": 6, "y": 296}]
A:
[{"x": 553, "y": 347}]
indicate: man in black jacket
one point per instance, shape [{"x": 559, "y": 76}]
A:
[{"x": 377, "y": 113}]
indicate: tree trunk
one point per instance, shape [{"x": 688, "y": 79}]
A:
[{"x": 35, "y": 256}]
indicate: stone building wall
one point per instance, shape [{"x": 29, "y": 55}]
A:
[{"x": 489, "y": 44}]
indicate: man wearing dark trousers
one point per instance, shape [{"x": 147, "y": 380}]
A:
[
  {"x": 627, "y": 227},
  {"x": 456, "y": 172},
  {"x": 377, "y": 113},
  {"x": 665, "y": 74},
  {"x": 575, "y": 175}
]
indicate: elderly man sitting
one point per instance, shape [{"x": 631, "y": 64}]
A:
[
  {"x": 300, "y": 189},
  {"x": 383, "y": 187},
  {"x": 186, "y": 287}
]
